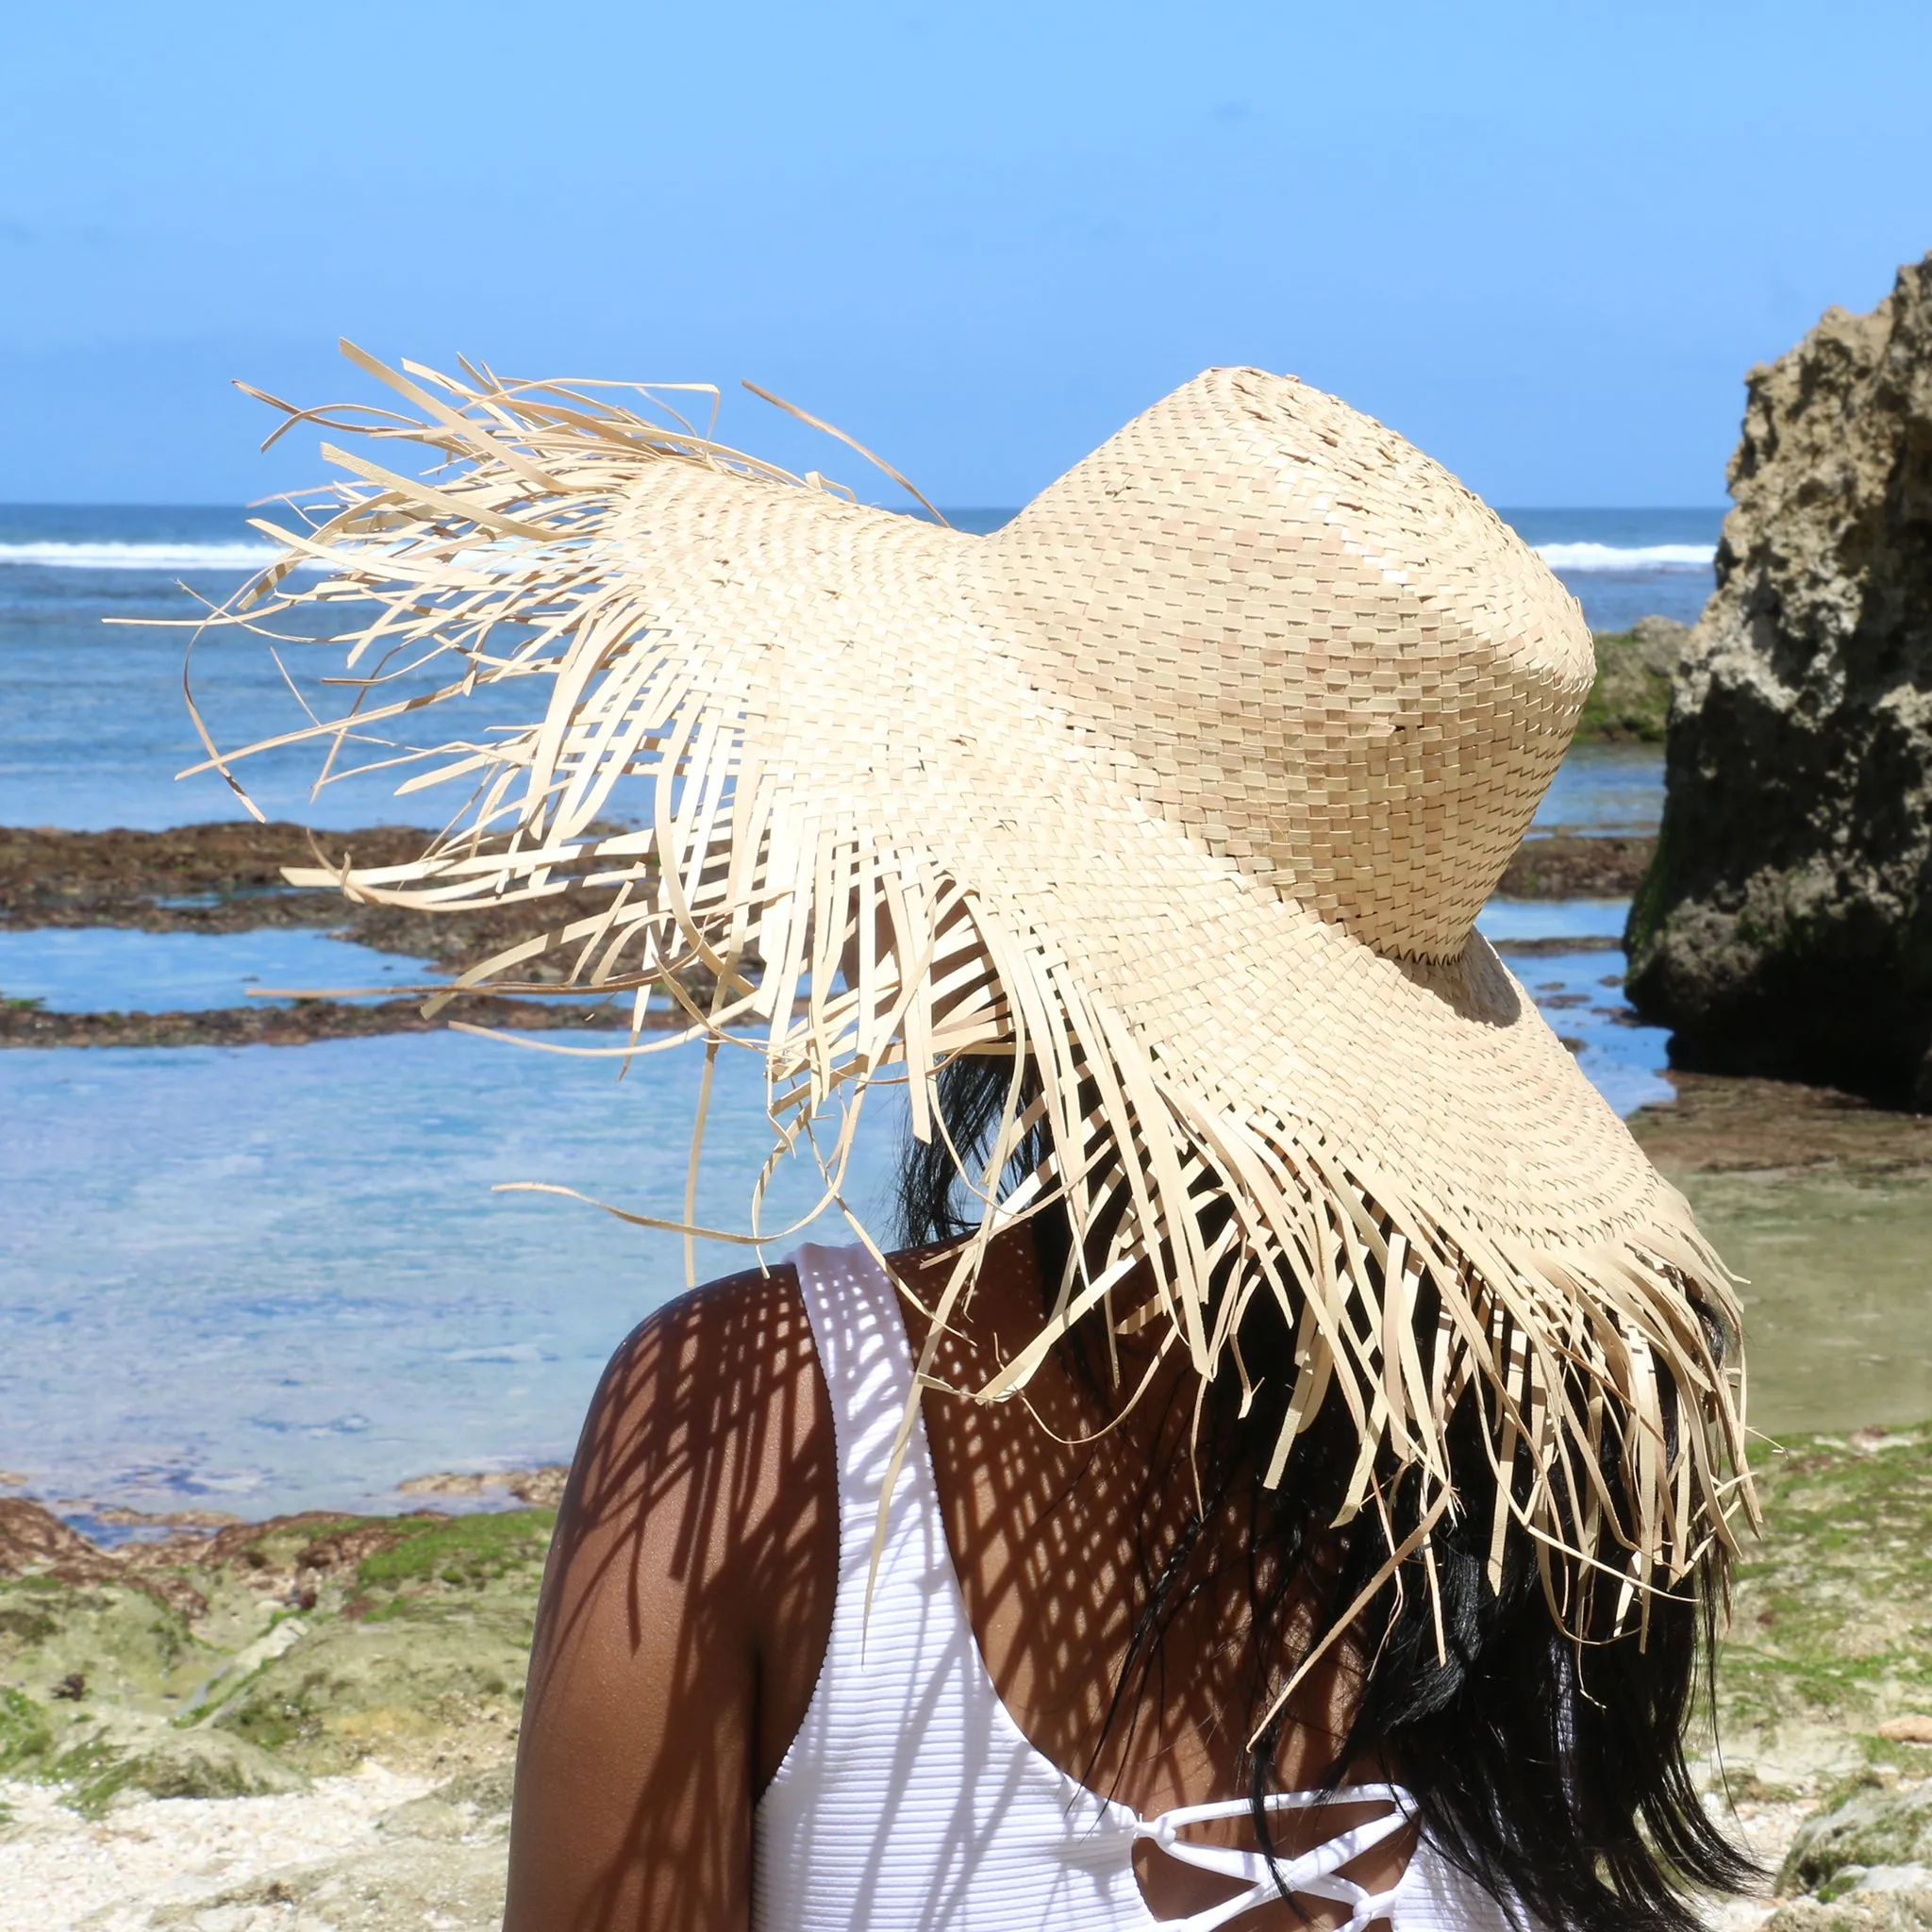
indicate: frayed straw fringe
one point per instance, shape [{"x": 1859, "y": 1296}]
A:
[{"x": 843, "y": 954}]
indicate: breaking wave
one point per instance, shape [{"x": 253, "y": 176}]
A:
[
  {"x": 53, "y": 556},
  {"x": 1610, "y": 557}
]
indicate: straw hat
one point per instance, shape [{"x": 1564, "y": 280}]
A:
[{"x": 1187, "y": 784}]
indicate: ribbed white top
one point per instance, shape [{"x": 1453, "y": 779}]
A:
[{"x": 910, "y": 1801}]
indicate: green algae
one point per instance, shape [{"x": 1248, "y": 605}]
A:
[
  {"x": 252, "y": 1661},
  {"x": 126, "y": 1644},
  {"x": 1830, "y": 1631},
  {"x": 1631, "y": 695},
  {"x": 1838, "y": 1321},
  {"x": 466, "y": 1552},
  {"x": 1823, "y": 1204},
  {"x": 320, "y": 1644},
  {"x": 1867, "y": 1827},
  {"x": 26, "y": 1739},
  {"x": 350, "y": 1690}
]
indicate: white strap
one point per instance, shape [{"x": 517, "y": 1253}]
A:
[{"x": 1316, "y": 1872}]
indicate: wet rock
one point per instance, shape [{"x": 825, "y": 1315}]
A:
[
  {"x": 431, "y": 1817},
  {"x": 228, "y": 879},
  {"x": 244, "y": 1662},
  {"x": 223, "y": 878},
  {"x": 1631, "y": 697},
  {"x": 1863, "y": 1909},
  {"x": 389, "y": 1686},
  {"x": 406, "y": 1672},
  {"x": 208, "y": 878},
  {"x": 1830, "y": 1627},
  {"x": 111, "y": 1752},
  {"x": 1565, "y": 867},
  {"x": 34, "y": 1543},
  {"x": 487, "y": 1790},
  {"x": 162, "y": 1761},
  {"x": 1717, "y": 1125},
  {"x": 1785, "y": 927},
  {"x": 295, "y": 1025},
  {"x": 1874, "y": 1830},
  {"x": 541, "y": 1488},
  {"x": 454, "y": 1886}
]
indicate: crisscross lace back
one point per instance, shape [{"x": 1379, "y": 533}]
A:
[
  {"x": 910, "y": 1799},
  {"x": 1313, "y": 1873}
]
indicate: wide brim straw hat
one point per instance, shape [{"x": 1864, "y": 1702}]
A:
[{"x": 1181, "y": 791}]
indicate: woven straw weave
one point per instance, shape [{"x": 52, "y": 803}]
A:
[{"x": 1186, "y": 787}]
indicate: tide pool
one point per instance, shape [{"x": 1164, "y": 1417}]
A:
[
  {"x": 277, "y": 1277},
  {"x": 114, "y": 970},
  {"x": 273, "y": 1278},
  {"x": 1581, "y": 995},
  {"x": 1604, "y": 790},
  {"x": 1544, "y": 922}
]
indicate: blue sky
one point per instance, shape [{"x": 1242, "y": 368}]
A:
[{"x": 1543, "y": 242}]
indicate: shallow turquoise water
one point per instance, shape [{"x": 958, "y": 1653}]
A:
[
  {"x": 1581, "y": 995},
  {"x": 278, "y": 1276},
  {"x": 1503, "y": 921},
  {"x": 105, "y": 970},
  {"x": 1606, "y": 789}
]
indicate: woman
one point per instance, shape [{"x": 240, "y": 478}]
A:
[{"x": 1286, "y": 1476}]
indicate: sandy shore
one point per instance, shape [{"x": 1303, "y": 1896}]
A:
[
  {"x": 370, "y": 1849},
  {"x": 305, "y": 1724},
  {"x": 375, "y": 1851}
]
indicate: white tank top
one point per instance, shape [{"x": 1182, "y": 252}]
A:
[{"x": 910, "y": 1801}]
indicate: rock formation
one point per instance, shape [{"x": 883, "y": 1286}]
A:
[
  {"x": 1631, "y": 696},
  {"x": 1785, "y": 927}
]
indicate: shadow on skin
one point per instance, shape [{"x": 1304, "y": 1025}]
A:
[
  {"x": 691, "y": 1586},
  {"x": 686, "y": 1607},
  {"x": 1056, "y": 1540}
]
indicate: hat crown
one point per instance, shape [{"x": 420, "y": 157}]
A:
[{"x": 1326, "y": 658}]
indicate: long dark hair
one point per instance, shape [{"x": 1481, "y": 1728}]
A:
[{"x": 1552, "y": 1770}]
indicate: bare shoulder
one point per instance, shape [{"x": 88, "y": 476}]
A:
[
  {"x": 685, "y": 1614},
  {"x": 708, "y": 1447},
  {"x": 709, "y": 1375}
]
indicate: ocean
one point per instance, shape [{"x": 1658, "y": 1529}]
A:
[{"x": 264, "y": 1279}]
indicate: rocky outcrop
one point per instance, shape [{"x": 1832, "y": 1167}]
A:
[
  {"x": 1860, "y": 1863},
  {"x": 1873, "y": 1829},
  {"x": 1785, "y": 927},
  {"x": 1631, "y": 697},
  {"x": 1568, "y": 867}
]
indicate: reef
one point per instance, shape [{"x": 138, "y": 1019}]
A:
[
  {"x": 22, "y": 1022},
  {"x": 1631, "y": 697},
  {"x": 227, "y": 877},
  {"x": 1785, "y": 925},
  {"x": 1571, "y": 867},
  {"x": 340, "y": 1696}
]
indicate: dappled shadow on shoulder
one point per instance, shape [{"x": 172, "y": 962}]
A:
[{"x": 686, "y": 1607}]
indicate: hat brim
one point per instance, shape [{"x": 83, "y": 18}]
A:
[{"x": 891, "y": 841}]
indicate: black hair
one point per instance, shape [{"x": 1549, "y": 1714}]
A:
[{"x": 1548, "y": 1765}]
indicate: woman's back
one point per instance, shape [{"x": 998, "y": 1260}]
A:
[
  {"x": 720, "y": 1735},
  {"x": 912, "y": 1797},
  {"x": 1379, "y": 1404}
]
